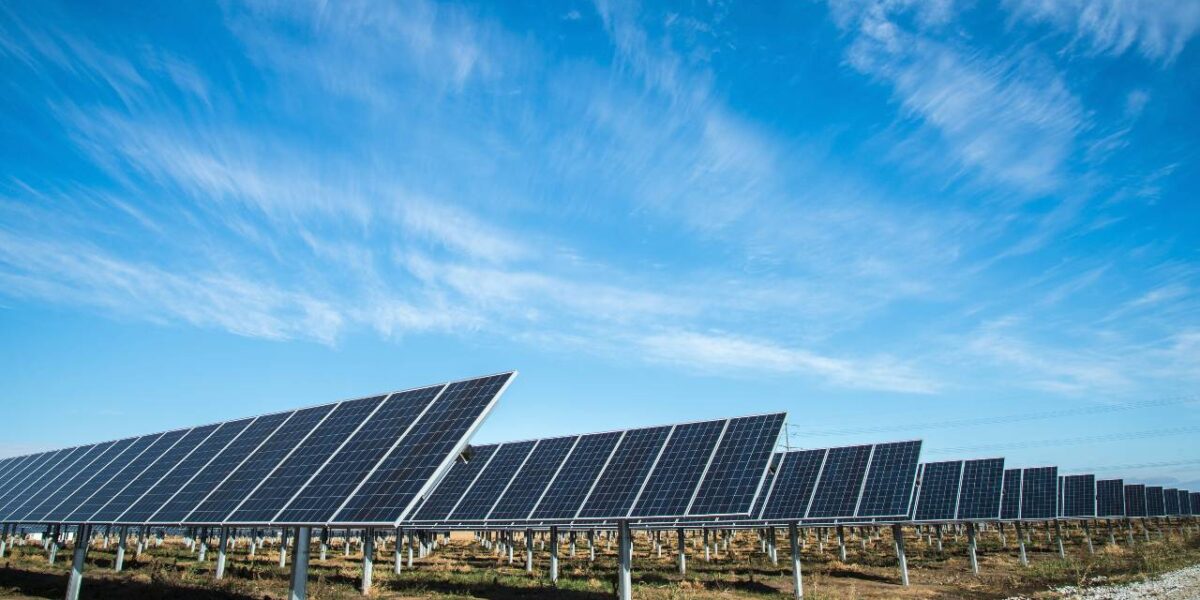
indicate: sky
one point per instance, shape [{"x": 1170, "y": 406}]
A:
[{"x": 972, "y": 223}]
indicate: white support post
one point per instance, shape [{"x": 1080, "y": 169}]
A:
[
  {"x": 222, "y": 553},
  {"x": 398, "y": 551},
  {"x": 772, "y": 546},
  {"x": 298, "y": 588},
  {"x": 75, "y": 581},
  {"x": 971, "y": 547},
  {"x": 119, "y": 561},
  {"x": 682, "y": 552},
  {"x": 591, "y": 545},
  {"x": 283, "y": 545},
  {"x": 324, "y": 549},
  {"x": 898, "y": 536},
  {"x": 1087, "y": 536},
  {"x": 368, "y": 561},
  {"x": 529, "y": 551},
  {"x": 841, "y": 537},
  {"x": 707, "y": 554},
  {"x": 203, "y": 546},
  {"x": 554, "y": 555},
  {"x": 1062, "y": 553},
  {"x": 625, "y": 560},
  {"x": 410, "y": 549},
  {"x": 571, "y": 542},
  {"x": 1021, "y": 545},
  {"x": 797, "y": 576}
]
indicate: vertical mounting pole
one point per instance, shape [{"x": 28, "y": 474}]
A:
[
  {"x": 797, "y": 576},
  {"x": 222, "y": 552},
  {"x": 841, "y": 536},
  {"x": 1021, "y": 545},
  {"x": 1087, "y": 535},
  {"x": 971, "y": 547},
  {"x": 75, "y": 582},
  {"x": 398, "y": 551},
  {"x": 298, "y": 588},
  {"x": 707, "y": 554},
  {"x": 368, "y": 562},
  {"x": 591, "y": 545},
  {"x": 283, "y": 544},
  {"x": 119, "y": 561},
  {"x": 682, "y": 552},
  {"x": 1062, "y": 553},
  {"x": 898, "y": 536},
  {"x": 554, "y": 555},
  {"x": 324, "y": 543},
  {"x": 529, "y": 551},
  {"x": 772, "y": 547},
  {"x": 625, "y": 556}
]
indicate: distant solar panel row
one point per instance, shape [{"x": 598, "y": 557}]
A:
[
  {"x": 700, "y": 469},
  {"x": 363, "y": 461},
  {"x": 960, "y": 490},
  {"x": 871, "y": 482},
  {"x": 1110, "y": 498},
  {"x": 1079, "y": 496}
]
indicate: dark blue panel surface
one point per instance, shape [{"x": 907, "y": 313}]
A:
[
  {"x": 450, "y": 490},
  {"x": 402, "y": 475},
  {"x": 890, "y": 479},
  {"x": 739, "y": 466},
  {"x": 322, "y": 497},
  {"x": 1010, "y": 498},
  {"x": 938, "y": 497},
  {"x": 283, "y": 483},
  {"x": 530, "y": 483},
  {"x": 30, "y": 483},
  {"x": 567, "y": 491},
  {"x": 141, "y": 485},
  {"x": 134, "y": 465},
  {"x": 614, "y": 492},
  {"x": 979, "y": 495},
  {"x": 793, "y": 485},
  {"x": 1135, "y": 500},
  {"x": 840, "y": 482},
  {"x": 88, "y": 489},
  {"x": 31, "y": 501},
  {"x": 1171, "y": 501},
  {"x": 31, "y": 469},
  {"x": 1039, "y": 493},
  {"x": 242, "y": 480},
  {"x": 106, "y": 452},
  {"x": 1154, "y": 501},
  {"x": 674, "y": 481},
  {"x": 768, "y": 483},
  {"x": 477, "y": 502},
  {"x": 1185, "y": 503},
  {"x": 176, "y": 479},
  {"x": 1110, "y": 498},
  {"x": 1079, "y": 496}
]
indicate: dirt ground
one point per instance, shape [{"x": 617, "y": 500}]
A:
[{"x": 464, "y": 569}]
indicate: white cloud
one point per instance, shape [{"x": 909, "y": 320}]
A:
[{"x": 1159, "y": 31}]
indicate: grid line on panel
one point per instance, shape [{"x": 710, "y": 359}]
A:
[
  {"x": 321, "y": 499},
  {"x": 1079, "y": 496},
  {"x": 160, "y": 495},
  {"x": 33, "y": 502},
  {"x": 1110, "y": 498},
  {"x": 507, "y": 486},
  {"x": 837, "y": 492},
  {"x": 677, "y": 475},
  {"x": 141, "y": 486},
  {"x": 1135, "y": 500},
  {"x": 628, "y": 469},
  {"x": 816, "y": 483},
  {"x": 939, "y": 491},
  {"x": 554, "y": 478},
  {"x": 27, "y": 467},
  {"x": 50, "y": 509},
  {"x": 707, "y": 465},
  {"x": 1171, "y": 501},
  {"x": 441, "y": 503},
  {"x": 794, "y": 483},
  {"x": 475, "y": 478},
  {"x": 980, "y": 492},
  {"x": 1185, "y": 503},
  {"x": 1039, "y": 493},
  {"x": 1154, "y": 501},
  {"x": 891, "y": 476},
  {"x": 477, "y": 501},
  {"x": 134, "y": 469},
  {"x": 566, "y": 492},
  {"x": 80, "y": 505},
  {"x": 28, "y": 485},
  {"x": 739, "y": 466},
  {"x": 760, "y": 503},
  {"x": 653, "y": 466},
  {"x": 603, "y": 469},
  {"x": 862, "y": 488},
  {"x": 1010, "y": 497},
  {"x": 532, "y": 479}
]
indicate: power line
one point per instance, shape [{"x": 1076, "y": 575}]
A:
[{"x": 997, "y": 420}]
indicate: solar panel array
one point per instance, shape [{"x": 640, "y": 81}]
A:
[
  {"x": 847, "y": 484},
  {"x": 1039, "y": 493},
  {"x": 1079, "y": 496},
  {"x": 363, "y": 461},
  {"x": 960, "y": 490},
  {"x": 1185, "y": 503},
  {"x": 703, "y": 469},
  {"x": 1135, "y": 500},
  {"x": 1155, "y": 506},
  {"x": 1110, "y": 498}
]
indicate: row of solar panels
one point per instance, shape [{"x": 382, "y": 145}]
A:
[
  {"x": 1083, "y": 496},
  {"x": 363, "y": 461}
]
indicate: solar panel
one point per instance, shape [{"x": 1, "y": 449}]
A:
[
  {"x": 1079, "y": 496},
  {"x": 567, "y": 491},
  {"x": 1039, "y": 493},
  {"x": 446, "y": 495},
  {"x": 481, "y": 496},
  {"x": 979, "y": 494},
  {"x": 614, "y": 491},
  {"x": 793, "y": 485},
  {"x": 1185, "y": 503},
  {"x": 1135, "y": 500},
  {"x": 768, "y": 483},
  {"x": 1171, "y": 501},
  {"x": 1155, "y": 506},
  {"x": 840, "y": 482},
  {"x": 372, "y": 455},
  {"x": 887, "y": 491},
  {"x": 529, "y": 483},
  {"x": 937, "y": 498},
  {"x": 1010, "y": 498},
  {"x": 1195, "y": 502},
  {"x": 673, "y": 483},
  {"x": 1110, "y": 498},
  {"x": 738, "y": 466}
]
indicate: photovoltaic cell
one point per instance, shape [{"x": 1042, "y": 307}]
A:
[
  {"x": 890, "y": 478},
  {"x": 1079, "y": 496},
  {"x": 449, "y": 491},
  {"x": 840, "y": 482},
  {"x": 37, "y": 479},
  {"x": 979, "y": 494},
  {"x": 47, "y": 508},
  {"x": 66, "y": 510},
  {"x": 1110, "y": 498},
  {"x": 529, "y": 483},
  {"x": 134, "y": 465},
  {"x": 1154, "y": 501},
  {"x": 30, "y": 471},
  {"x": 20, "y": 507},
  {"x": 482, "y": 495},
  {"x": 1039, "y": 493},
  {"x": 1185, "y": 503},
  {"x": 1171, "y": 501},
  {"x": 673, "y": 483},
  {"x": 793, "y": 485},
  {"x": 403, "y": 475},
  {"x": 274, "y": 493},
  {"x": 938, "y": 496},
  {"x": 322, "y": 497},
  {"x": 1135, "y": 500},
  {"x": 614, "y": 491},
  {"x": 566, "y": 492},
  {"x": 175, "y": 480},
  {"x": 738, "y": 467},
  {"x": 141, "y": 484}
]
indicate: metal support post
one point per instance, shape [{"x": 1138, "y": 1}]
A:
[
  {"x": 898, "y": 536},
  {"x": 298, "y": 588}
]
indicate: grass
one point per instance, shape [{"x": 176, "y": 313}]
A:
[{"x": 463, "y": 569}]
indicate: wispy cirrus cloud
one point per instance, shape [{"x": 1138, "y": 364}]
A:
[{"x": 1158, "y": 31}]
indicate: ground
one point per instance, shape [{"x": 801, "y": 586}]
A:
[{"x": 463, "y": 569}]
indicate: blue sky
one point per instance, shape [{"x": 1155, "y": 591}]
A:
[{"x": 869, "y": 214}]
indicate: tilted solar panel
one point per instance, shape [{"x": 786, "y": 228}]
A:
[
  {"x": 141, "y": 485},
  {"x": 891, "y": 475},
  {"x": 530, "y": 482},
  {"x": 937, "y": 496},
  {"x": 52, "y": 505},
  {"x": 1010, "y": 498},
  {"x": 738, "y": 466},
  {"x": 1110, "y": 498},
  {"x": 568, "y": 489},
  {"x": 1155, "y": 507},
  {"x": 614, "y": 491},
  {"x": 979, "y": 494},
  {"x": 840, "y": 482},
  {"x": 768, "y": 483},
  {"x": 128, "y": 472},
  {"x": 793, "y": 485},
  {"x": 1039, "y": 493},
  {"x": 481, "y": 496},
  {"x": 30, "y": 483},
  {"x": 1079, "y": 496},
  {"x": 672, "y": 485},
  {"x": 1171, "y": 501},
  {"x": 446, "y": 496},
  {"x": 1195, "y": 502},
  {"x": 1135, "y": 500},
  {"x": 1185, "y": 503}
]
